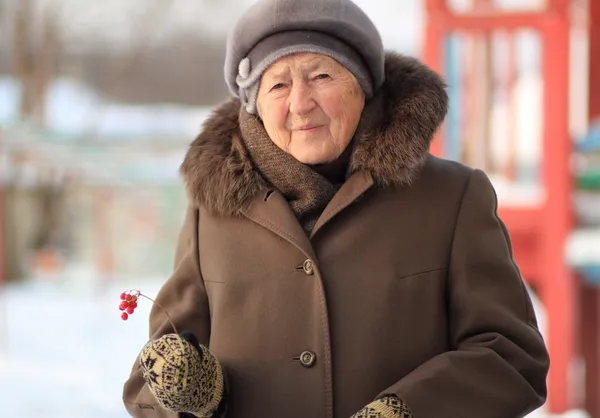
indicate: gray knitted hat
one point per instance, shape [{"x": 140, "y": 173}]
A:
[{"x": 272, "y": 29}]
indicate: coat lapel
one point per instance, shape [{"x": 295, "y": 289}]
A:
[
  {"x": 272, "y": 211},
  {"x": 351, "y": 190}
]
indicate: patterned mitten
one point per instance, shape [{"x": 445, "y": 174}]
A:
[
  {"x": 183, "y": 375},
  {"x": 386, "y": 407}
]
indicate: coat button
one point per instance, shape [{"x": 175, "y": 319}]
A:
[
  {"x": 308, "y": 359},
  {"x": 308, "y": 267}
]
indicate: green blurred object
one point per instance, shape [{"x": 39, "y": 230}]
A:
[{"x": 589, "y": 179}]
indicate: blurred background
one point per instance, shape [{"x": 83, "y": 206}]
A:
[{"x": 99, "y": 101}]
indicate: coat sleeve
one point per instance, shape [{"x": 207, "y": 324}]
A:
[
  {"x": 184, "y": 297},
  {"x": 498, "y": 362}
]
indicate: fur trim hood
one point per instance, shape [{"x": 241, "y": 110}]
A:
[{"x": 392, "y": 143}]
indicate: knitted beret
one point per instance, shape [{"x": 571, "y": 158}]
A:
[{"x": 272, "y": 29}]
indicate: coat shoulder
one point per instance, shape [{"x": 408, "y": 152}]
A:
[
  {"x": 438, "y": 190},
  {"x": 439, "y": 174},
  {"x": 451, "y": 169}
]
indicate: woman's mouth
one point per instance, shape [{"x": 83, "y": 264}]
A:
[{"x": 309, "y": 128}]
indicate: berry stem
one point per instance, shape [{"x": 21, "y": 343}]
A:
[{"x": 163, "y": 309}]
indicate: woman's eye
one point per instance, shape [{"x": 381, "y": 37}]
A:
[
  {"x": 322, "y": 76},
  {"x": 278, "y": 86}
]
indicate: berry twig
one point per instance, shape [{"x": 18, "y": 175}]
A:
[{"x": 129, "y": 301}]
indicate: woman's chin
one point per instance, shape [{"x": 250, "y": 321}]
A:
[
  {"x": 313, "y": 153},
  {"x": 312, "y": 158}
]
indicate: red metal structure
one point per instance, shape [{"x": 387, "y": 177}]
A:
[{"x": 539, "y": 232}]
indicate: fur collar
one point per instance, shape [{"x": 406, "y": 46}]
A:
[{"x": 393, "y": 139}]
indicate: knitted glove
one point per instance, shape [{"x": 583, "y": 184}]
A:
[
  {"x": 386, "y": 407},
  {"x": 183, "y": 375}
]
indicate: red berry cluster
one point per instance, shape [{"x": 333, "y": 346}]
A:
[{"x": 128, "y": 303}]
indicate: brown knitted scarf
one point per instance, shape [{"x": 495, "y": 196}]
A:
[{"x": 308, "y": 189}]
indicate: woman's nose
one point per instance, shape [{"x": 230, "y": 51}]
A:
[{"x": 301, "y": 99}]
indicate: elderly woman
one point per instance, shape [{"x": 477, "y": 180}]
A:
[{"x": 329, "y": 266}]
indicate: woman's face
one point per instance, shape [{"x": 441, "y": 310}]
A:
[{"x": 310, "y": 106}]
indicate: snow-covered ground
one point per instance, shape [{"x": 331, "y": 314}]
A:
[{"x": 65, "y": 352}]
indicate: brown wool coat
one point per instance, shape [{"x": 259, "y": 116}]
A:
[{"x": 406, "y": 286}]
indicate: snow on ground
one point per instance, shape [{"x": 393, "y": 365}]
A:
[{"x": 65, "y": 352}]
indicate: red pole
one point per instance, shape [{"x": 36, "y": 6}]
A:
[
  {"x": 433, "y": 51},
  {"x": 560, "y": 285},
  {"x": 594, "y": 59}
]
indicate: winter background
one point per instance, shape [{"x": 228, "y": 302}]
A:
[{"x": 92, "y": 200}]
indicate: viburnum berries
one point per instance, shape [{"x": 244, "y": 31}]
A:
[{"x": 129, "y": 303}]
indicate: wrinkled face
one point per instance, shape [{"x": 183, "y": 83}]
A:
[{"x": 310, "y": 106}]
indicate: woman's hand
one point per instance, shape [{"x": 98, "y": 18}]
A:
[
  {"x": 386, "y": 407},
  {"x": 183, "y": 375}
]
